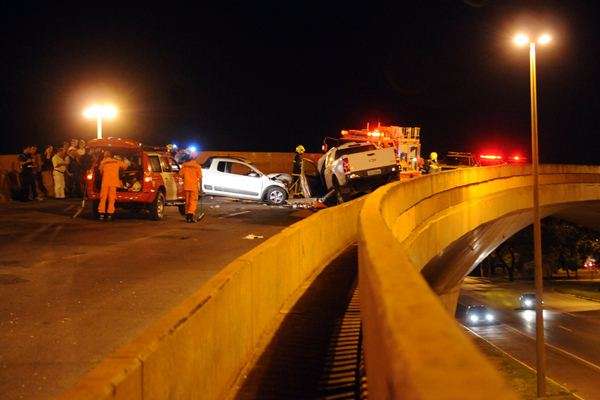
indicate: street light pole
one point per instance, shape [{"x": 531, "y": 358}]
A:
[
  {"x": 537, "y": 230},
  {"x": 99, "y": 113},
  {"x": 99, "y": 127}
]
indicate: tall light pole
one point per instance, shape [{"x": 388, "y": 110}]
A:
[
  {"x": 522, "y": 39},
  {"x": 99, "y": 112}
]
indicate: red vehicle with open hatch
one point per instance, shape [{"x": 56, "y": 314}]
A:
[{"x": 150, "y": 182}]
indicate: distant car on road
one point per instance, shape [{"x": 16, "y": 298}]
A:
[
  {"x": 479, "y": 315},
  {"x": 237, "y": 178},
  {"x": 527, "y": 301}
]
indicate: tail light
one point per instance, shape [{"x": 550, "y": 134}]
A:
[{"x": 346, "y": 164}]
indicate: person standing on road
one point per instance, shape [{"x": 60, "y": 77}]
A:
[
  {"x": 47, "y": 169},
  {"x": 27, "y": 175},
  {"x": 192, "y": 176},
  {"x": 109, "y": 168},
  {"x": 297, "y": 164},
  {"x": 60, "y": 169}
]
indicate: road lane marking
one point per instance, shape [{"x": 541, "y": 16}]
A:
[
  {"x": 565, "y": 352},
  {"x": 565, "y": 328},
  {"x": 236, "y": 213},
  {"x": 522, "y": 363}
]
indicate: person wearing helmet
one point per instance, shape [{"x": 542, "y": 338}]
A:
[
  {"x": 297, "y": 164},
  {"x": 109, "y": 168},
  {"x": 192, "y": 175}
]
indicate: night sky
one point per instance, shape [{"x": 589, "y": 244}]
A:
[{"x": 269, "y": 75}]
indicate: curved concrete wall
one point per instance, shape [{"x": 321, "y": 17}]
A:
[
  {"x": 411, "y": 343},
  {"x": 198, "y": 349}
]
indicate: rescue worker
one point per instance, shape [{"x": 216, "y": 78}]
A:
[
  {"x": 192, "y": 176},
  {"x": 109, "y": 168},
  {"x": 297, "y": 164}
]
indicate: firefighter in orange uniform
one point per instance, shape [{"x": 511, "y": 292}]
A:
[
  {"x": 109, "y": 168},
  {"x": 192, "y": 176}
]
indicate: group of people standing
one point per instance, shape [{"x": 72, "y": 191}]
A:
[{"x": 57, "y": 172}]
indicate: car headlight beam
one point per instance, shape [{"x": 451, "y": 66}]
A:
[{"x": 474, "y": 318}]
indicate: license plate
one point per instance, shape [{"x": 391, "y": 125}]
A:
[{"x": 374, "y": 172}]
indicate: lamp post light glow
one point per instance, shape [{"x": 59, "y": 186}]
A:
[
  {"x": 521, "y": 40},
  {"x": 100, "y": 112}
]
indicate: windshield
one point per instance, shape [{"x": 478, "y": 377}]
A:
[{"x": 353, "y": 150}]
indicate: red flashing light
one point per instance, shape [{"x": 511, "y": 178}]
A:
[{"x": 490, "y": 157}]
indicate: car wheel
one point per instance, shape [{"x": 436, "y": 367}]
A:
[
  {"x": 157, "y": 210},
  {"x": 181, "y": 209},
  {"x": 95, "y": 213},
  {"x": 275, "y": 195}
]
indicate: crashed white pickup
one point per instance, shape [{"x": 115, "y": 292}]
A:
[
  {"x": 357, "y": 167},
  {"x": 233, "y": 177}
]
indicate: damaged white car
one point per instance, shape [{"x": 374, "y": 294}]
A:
[{"x": 234, "y": 177}]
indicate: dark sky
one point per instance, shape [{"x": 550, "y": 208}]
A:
[{"x": 268, "y": 75}]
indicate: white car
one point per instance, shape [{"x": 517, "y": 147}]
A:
[
  {"x": 233, "y": 177},
  {"x": 357, "y": 167}
]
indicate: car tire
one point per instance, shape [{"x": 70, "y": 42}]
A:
[
  {"x": 95, "y": 213},
  {"x": 275, "y": 195},
  {"x": 157, "y": 209}
]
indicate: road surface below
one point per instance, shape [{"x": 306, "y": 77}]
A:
[
  {"x": 571, "y": 327},
  {"x": 73, "y": 290}
]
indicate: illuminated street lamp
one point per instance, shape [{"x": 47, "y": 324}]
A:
[
  {"x": 522, "y": 39},
  {"x": 100, "y": 112}
]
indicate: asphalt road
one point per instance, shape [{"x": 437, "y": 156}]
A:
[
  {"x": 73, "y": 290},
  {"x": 571, "y": 327}
]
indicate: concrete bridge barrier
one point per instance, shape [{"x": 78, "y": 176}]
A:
[
  {"x": 417, "y": 240},
  {"x": 408, "y": 279},
  {"x": 199, "y": 348}
]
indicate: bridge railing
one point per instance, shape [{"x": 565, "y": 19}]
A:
[
  {"x": 413, "y": 346},
  {"x": 199, "y": 348}
]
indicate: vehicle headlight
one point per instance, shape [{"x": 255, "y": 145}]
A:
[
  {"x": 474, "y": 318},
  {"x": 489, "y": 317},
  {"x": 528, "y": 302}
]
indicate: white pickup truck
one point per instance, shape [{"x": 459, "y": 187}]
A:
[{"x": 353, "y": 168}]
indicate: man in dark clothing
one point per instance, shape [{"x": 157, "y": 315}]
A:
[
  {"x": 297, "y": 164},
  {"x": 27, "y": 175}
]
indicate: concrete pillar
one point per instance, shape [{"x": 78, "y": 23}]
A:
[{"x": 450, "y": 298}]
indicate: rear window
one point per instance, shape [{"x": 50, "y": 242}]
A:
[
  {"x": 353, "y": 150},
  {"x": 154, "y": 163}
]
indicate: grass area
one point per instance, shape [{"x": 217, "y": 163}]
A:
[
  {"x": 520, "y": 378},
  {"x": 587, "y": 289}
]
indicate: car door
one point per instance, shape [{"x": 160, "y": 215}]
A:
[
  {"x": 234, "y": 179},
  {"x": 245, "y": 180},
  {"x": 168, "y": 179},
  {"x": 178, "y": 179}
]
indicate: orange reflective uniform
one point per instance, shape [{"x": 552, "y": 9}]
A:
[
  {"x": 109, "y": 168},
  {"x": 191, "y": 173}
]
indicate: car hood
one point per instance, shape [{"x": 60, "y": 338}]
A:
[{"x": 284, "y": 178}]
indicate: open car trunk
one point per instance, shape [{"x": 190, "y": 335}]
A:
[{"x": 131, "y": 177}]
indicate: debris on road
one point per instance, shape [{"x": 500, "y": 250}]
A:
[{"x": 252, "y": 236}]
